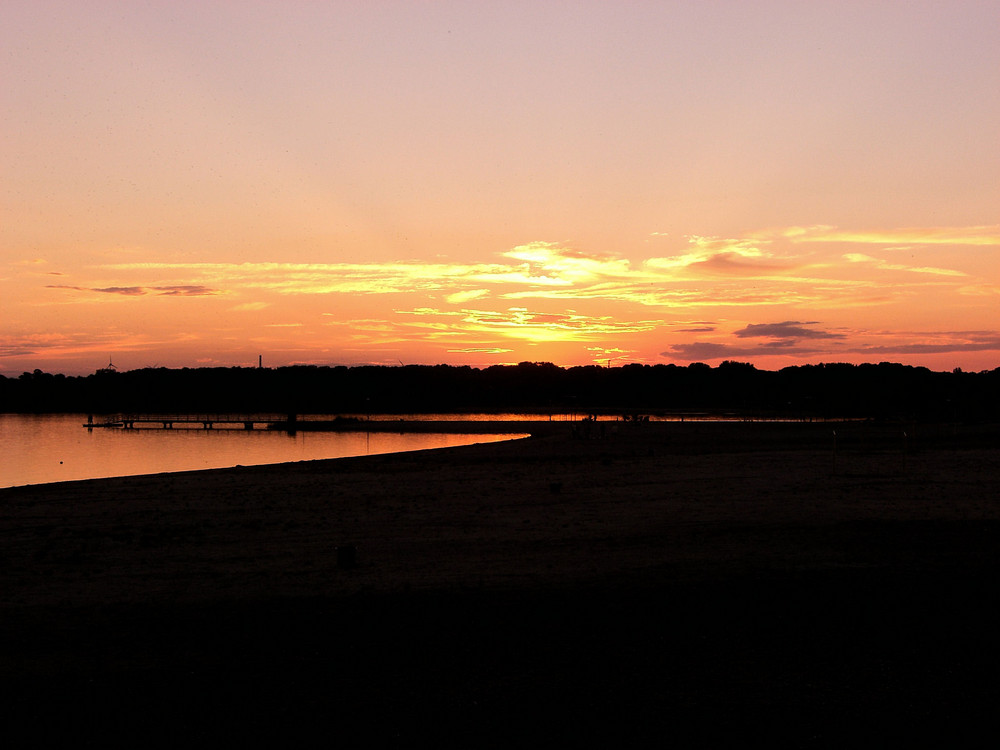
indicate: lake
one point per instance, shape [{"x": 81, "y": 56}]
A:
[{"x": 37, "y": 449}]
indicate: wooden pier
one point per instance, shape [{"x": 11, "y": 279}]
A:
[
  {"x": 292, "y": 423},
  {"x": 168, "y": 421}
]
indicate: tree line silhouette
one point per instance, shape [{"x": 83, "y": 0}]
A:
[{"x": 884, "y": 391}]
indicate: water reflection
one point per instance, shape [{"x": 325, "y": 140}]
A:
[{"x": 51, "y": 448}]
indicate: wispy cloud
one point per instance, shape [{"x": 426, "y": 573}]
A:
[
  {"x": 525, "y": 324},
  {"x": 125, "y": 291},
  {"x": 480, "y": 350},
  {"x": 180, "y": 290},
  {"x": 602, "y": 355},
  {"x": 762, "y": 269},
  {"x": 706, "y": 350},
  {"x": 980, "y": 290},
  {"x": 938, "y": 343},
  {"x": 185, "y": 290},
  {"x": 459, "y": 298},
  {"x": 349, "y": 278},
  {"x": 783, "y": 338},
  {"x": 867, "y": 346},
  {"x": 884, "y": 265},
  {"x": 70, "y": 344},
  {"x": 789, "y": 329},
  {"x": 540, "y": 269},
  {"x": 546, "y": 292},
  {"x": 988, "y": 234},
  {"x": 719, "y": 255},
  {"x": 737, "y": 264}
]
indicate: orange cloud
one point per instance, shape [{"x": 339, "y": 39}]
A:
[
  {"x": 467, "y": 296},
  {"x": 795, "y": 339},
  {"x": 604, "y": 355},
  {"x": 789, "y": 329},
  {"x": 180, "y": 290},
  {"x": 521, "y": 323},
  {"x": 988, "y": 234},
  {"x": 861, "y": 258},
  {"x": 765, "y": 268},
  {"x": 480, "y": 350},
  {"x": 250, "y": 306}
]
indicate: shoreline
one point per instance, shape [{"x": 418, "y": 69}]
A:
[{"x": 630, "y": 587}]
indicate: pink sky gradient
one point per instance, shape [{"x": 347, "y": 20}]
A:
[{"x": 193, "y": 184}]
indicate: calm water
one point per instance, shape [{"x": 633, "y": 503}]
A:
[{"x": 35, "y": 449}]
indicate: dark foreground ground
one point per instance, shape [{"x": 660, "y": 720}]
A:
[{"x": 678, "y": 584}]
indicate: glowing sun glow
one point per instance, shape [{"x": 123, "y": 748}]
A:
[{"x": 345, "y": 183}]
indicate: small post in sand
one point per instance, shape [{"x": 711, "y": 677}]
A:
[
  {"x": 347, "y": 556},
  {"x": 834, "y": 451}
]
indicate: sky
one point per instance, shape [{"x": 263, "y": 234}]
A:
[{"x": 189, "y": 184}]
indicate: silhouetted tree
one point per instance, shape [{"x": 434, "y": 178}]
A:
[{"x": 884, "y": 390}]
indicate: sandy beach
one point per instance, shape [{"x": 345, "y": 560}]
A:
[{"x": 792, "y": 584}]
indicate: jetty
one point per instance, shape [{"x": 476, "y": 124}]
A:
[
  {"x": 292, "y": 423},
  {"x": 169, "y": 421}
]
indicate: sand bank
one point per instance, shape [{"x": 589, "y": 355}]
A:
[{"x": 700, "y": 582}]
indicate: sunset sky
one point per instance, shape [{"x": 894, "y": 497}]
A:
[{"x": 477, "y": 183}]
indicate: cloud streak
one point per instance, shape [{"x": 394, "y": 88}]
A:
[
  {"x": 954, "y": 342},
  {"x": 522, "y": 323},
  {"x": 884, "y": 265},
  {"x": 700, "y": 288},
  {"x": 180, "y": 290},
  {"x": 789, "y": 329},
  {"x": 707, "y": 271},
  {"x": 988, "y": 234}
]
